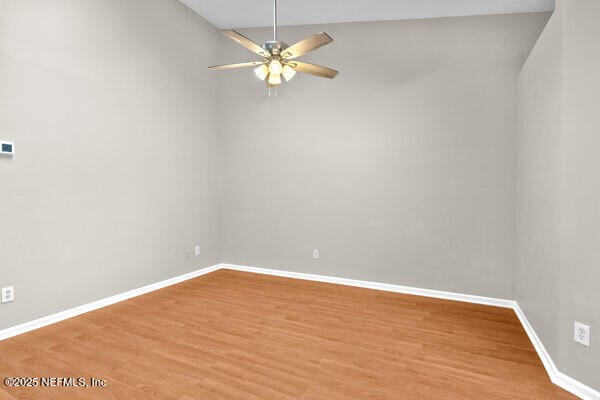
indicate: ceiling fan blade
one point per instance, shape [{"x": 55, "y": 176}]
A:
[
  {"x": 313, "y": 69},
  {"x": 309, "y": 44},
  {"x": 247, "y": 43},
  {"x": 241, "y": 65}
]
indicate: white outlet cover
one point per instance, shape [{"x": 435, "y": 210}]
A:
[
  {"x": 316, "y": 254},
  {"x": 8, "y": 294},
  {"x": 581, "y": 334},
  {"x": 197, "y": 250}
]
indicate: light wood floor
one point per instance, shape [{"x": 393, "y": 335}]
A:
[{"x": 232, "y": 335}]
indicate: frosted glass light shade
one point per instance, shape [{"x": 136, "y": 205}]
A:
[
  {"x": 262, "y": 72},
  {"x": 275, "y": 67},
  {"x": 274, "y": 80},
  {"x": 288, "y": 73}
]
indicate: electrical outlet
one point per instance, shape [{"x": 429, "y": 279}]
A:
[
  {"x": 316, "y": 254},
  {"x": 8, "y": 294},
  {"x": 197, "y": 250},
  {"x": 582, "y": 334}
]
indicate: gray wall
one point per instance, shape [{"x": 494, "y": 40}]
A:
[
  {"x": 558, "y": 195},
  {"x": 580, "y": 179},
  {"x": 400, "y": 170},
  {"x": 538, "y": 167},
  {"x": 115, "y": 122}
]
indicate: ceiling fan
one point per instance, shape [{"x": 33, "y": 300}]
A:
[{"x": 279, "y": 59}]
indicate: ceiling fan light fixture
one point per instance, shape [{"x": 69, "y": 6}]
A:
[
  {"x": 262, "y": 72},
  {"x": 288, "y": 72},
  {"x": 279, "y": 60},
  {"x": 274, "y": 80}
]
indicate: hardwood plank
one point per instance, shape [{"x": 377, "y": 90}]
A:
[{"x": 234, "y": 335}]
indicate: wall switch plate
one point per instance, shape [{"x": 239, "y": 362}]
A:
[
  {"x": 7, "y": 148},
  {"x": 582, "y": 334},
  {"x": 316, "y": 254},
  {"x": 8, "y": 294},
  {"x": 197, "y": 250}
]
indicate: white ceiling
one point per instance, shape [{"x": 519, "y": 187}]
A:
[{"x": 227, "y": 14}]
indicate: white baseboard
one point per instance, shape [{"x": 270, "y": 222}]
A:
[
  {"x": 557, "y": 377},
  {"x": 575, "y": 387},
  {"x": 488, "y": 301},
  {"x": 73, "y": 312},
  {"x": 537, "y": 343}
]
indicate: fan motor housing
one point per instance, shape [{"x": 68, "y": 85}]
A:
[{"x": 275, "y": 47}]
